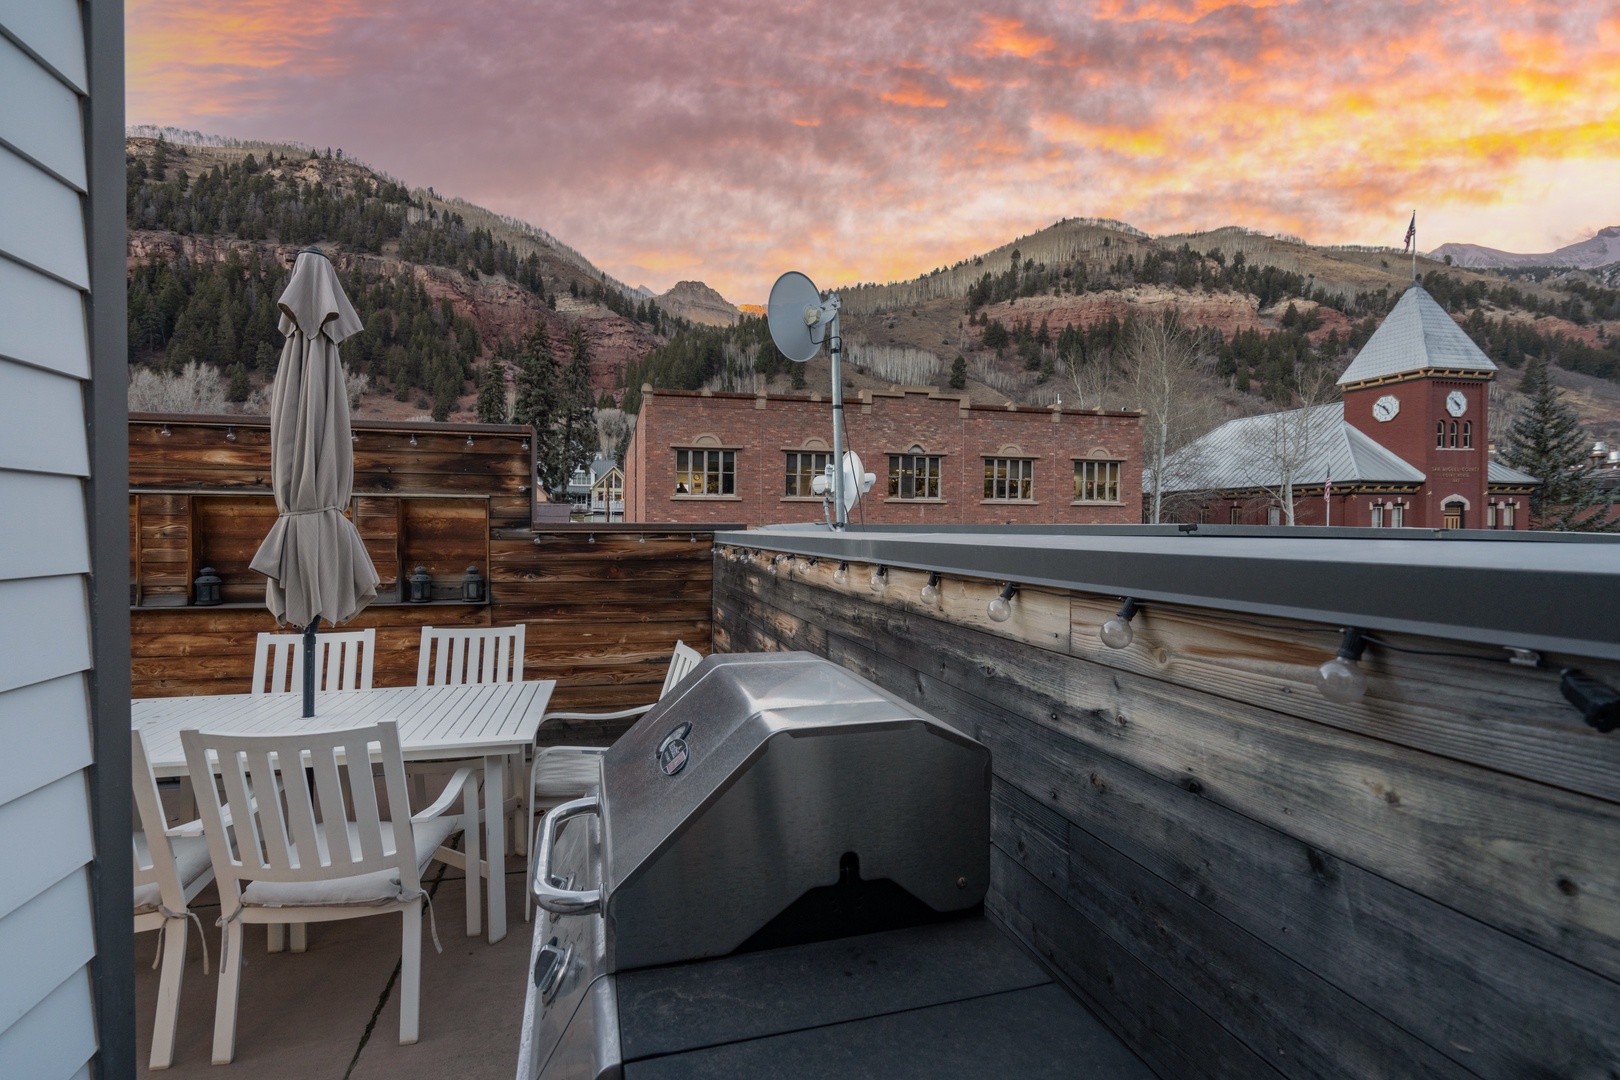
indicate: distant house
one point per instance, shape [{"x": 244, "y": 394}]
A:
[
  {"x": 938, "y": 459},
  {"x": 593, "y": 492},
  {"x": 1408, "y": 446}
]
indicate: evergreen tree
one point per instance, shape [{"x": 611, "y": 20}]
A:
[
  {"x": 1547, "y": 442},
  {"x": 576, "y": 424},
  {"x": 491, "y": 407},
  {"x": 959, "y": 372},
  {"x": 239, "y": 388},
  {"x": 538, "y": 398}
]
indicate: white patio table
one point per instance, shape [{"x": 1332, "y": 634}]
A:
[{"x": 494, "y": 721}]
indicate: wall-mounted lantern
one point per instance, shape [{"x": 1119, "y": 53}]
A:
[
  {"x": 205, "y": 589},
  {"x": 473, "y": 586},
  {"x": 421, "y": 586}
]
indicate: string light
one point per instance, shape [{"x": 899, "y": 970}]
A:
[
  {"x": 1341, "y": 678},
  {"x": 841, "y": 575},
  {"x": 880, "y": 578},
  {"x": 1000, "y": 608},
  {"x": 930, "y": 591},
  {"x": 230, "y": 434},
  {"x": 1116, "y": 632},
  {"x": 413, "y": 438}
]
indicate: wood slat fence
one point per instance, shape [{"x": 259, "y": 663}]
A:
[{"x": 1240, "y": 877}]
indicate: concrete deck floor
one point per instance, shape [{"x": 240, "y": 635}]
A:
[{"x": 306, "y": 1016}]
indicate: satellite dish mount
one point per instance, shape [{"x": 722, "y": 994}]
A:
[{"x": 801, "y": 321}]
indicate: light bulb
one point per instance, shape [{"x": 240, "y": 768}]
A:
[
  {"x": 930, "y": 591},
  {"x": 1341, "y": 680},
  {"x": 880, "y": 579},
  {"x": 1117, "y": 633},
  {"x": 1000, "y": 608},
  {"x": 841, "y": 575}
]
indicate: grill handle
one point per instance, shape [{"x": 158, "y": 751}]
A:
[{"x": 555, "y": 900}]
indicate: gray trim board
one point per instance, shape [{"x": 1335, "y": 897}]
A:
[
  {"x": 107, "y": 494},
  {"x": 1551, "y": 593}
]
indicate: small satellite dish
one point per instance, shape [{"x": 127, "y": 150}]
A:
[
  {"x": 857, "y": 482},
  {"x": 795, "y": 317}
]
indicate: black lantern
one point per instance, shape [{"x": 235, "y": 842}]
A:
[
  {"x": 205, "y": 589},
  {"x": 421, "y": 586},
  {"x": 472, "y": 586}
]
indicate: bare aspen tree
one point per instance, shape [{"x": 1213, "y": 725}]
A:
[
  {"x": 1159, "y": 375},
  {"x": 1281, "y": 446}
]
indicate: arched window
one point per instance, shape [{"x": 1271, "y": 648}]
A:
[
  {"x": 1454, "y": 434},
  {"x": 1468, "y": 435},
  {"x": 1440, "y": 435}
]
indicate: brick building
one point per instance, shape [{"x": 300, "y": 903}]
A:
[
  {"x": 1408, "y": 446},
  {"x": 707, "y": 457}
]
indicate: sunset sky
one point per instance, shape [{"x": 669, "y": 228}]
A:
[{"x": 730, "y": 140}]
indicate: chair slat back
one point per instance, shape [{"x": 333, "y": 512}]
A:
[
  {"x": 456, "y": 657},
  {"x": 289, "y": 830},
  {"x": 158, "y": 867},
  {"x": 680, "y": 666},
  {"x": 343, "y": 661}
]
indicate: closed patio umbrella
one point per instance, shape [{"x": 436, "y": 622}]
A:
[{"x": 315, "y": 561}]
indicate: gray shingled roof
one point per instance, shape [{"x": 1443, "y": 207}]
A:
[
  {"x": 1239, "y": 454},
  {"x": 1498, "y": 473},
  {"x": 1417, "y": 335}
]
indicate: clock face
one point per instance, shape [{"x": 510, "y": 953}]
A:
[
  {"x": 1456, "y": 403},
  {"x": 1386, "y": 407}
]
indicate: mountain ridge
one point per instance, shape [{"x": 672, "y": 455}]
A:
[{"x": 1598, "y": 250}]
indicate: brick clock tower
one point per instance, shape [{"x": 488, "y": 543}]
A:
[{"x": 1419, "y": 387}]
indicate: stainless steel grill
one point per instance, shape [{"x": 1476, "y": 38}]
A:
[{"x": 767, "y": 813}]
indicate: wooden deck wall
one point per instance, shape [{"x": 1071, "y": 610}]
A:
[
  {"x": 604, "y": 605},
  {"x": 1243, "y": 879}
]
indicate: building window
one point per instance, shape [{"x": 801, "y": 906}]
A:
[
  {"x": 1468, "y": 435},
  {"x": 1504, "y": 515},
  {"x": 1453, "y": 443},
  {"x": 914, "y": 475},
  {"x": 1397, "y": 516},
  {"x": 1096, "y": 481},
  {"x": 803, "y": 466},
  {"x": 1440, "y": 435},
  {"x": 1377, "y": 519},
  {"x": 1009, "y": 478},
  {"x": 705, "y": 472},
  {"x": 1273, "y": 515},
  {"x": 1235, "y": 515}
]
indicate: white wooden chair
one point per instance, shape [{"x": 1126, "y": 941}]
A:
[
  {"x": 343, "y": 661},
  {"x": 451, "y": 656},
  {"x": 290, "y": 865},
  {"x": 171, "y": 868},
  {"x": 560, "y": 773}
]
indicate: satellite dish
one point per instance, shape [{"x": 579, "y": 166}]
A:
[
  {"x": 796, "y": 317},
  {"x": 857, "y": 482}
]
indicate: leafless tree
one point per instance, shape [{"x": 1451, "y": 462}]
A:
[
  {"x": 1159, "y": 374},
  {"x": 1281, "y": 445},
  {"x": 196, "y": 388}
]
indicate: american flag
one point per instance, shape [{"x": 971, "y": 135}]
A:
[
  {"x": 1411, "y": 232},
  {"x": 1327, "y": 489}
]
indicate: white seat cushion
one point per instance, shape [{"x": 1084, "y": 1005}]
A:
[
  {"x": 373, "y": 889},
  {"x": 190, "y": 862}
]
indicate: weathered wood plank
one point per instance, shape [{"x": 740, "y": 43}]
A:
[
  {"x": 1434, "y": 825},
  {"x": 1493, "y": 714}
]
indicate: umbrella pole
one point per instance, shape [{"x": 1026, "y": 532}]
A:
[{"x": 309, "y": 666}]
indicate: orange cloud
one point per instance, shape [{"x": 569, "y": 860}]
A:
[
  {"x": 1007, "y": 37},
  {"x": 914, "y": 96}
]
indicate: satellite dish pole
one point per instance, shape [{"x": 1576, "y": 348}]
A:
[{"x": 801, "y": 321}]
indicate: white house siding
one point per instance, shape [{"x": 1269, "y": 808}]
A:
[{"x": 47, "y": 940}]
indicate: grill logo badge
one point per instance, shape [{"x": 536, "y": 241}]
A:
[{"x": 673, "y": 753}]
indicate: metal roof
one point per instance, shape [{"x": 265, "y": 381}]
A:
[
  {"x": 1242, "y": 453},
  {"x": 1498, "y": 473},
  {"x": 1417, "y": 336}
]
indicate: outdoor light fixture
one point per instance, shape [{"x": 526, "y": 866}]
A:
[
  {"x": 1341, "y": 679},
  {"x": 421, "y": 586},
  {"x": 1598, "y": 702},
  {"x": 473, "y": 586},
  {"x": 230, "y": 434},
  {"x": 525, "y": 445},
  {"x": 354, "y": 438},
  {"x": 930, "y": 591},
  {"x": 413, "y": 438},
  {"x": 165, "y": 431},
  {"x": 841, "y": 575},
  {"x": 469, "y": 442},
  {"x": 1000, "y": 608},
  {"x": 1116, "y": 632},
  {"x": 205, "y": 590},
  {"x": 880, "y": 578}
]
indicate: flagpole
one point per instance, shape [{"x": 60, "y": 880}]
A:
[{"x": 1414, "y": 244}]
